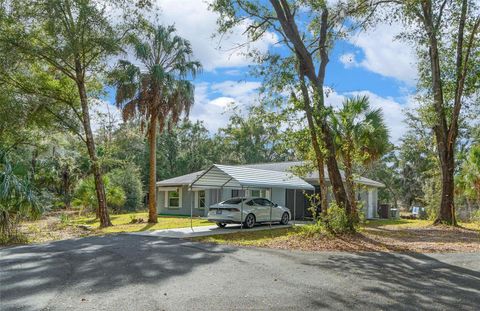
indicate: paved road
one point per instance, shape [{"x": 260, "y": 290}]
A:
[{"x": 126, "y": 272}]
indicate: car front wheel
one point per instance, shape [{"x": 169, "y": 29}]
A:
[
  {"x": 249, "y": 221},
  {"x": 285, "y": 219}
]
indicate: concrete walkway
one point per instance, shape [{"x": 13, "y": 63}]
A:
[{"x": 181, "y": 233}]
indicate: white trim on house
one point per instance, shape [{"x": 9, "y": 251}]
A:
[
  {"x": 166, "y": 201},
  {"x": 197, "y": 198}
]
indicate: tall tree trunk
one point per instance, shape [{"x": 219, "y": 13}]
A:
[
  {"x": 334, "y": 175},
  {"x": 446, "y": 214},
  {"x": 152, "y": 174},
  {"x": 66, "y": 186},
  {"x": 307, "y": 65},
  {"x": 445, "y": 134},
  {"x": 97, "y": 174},
  {"x": 316, "y": 145}
]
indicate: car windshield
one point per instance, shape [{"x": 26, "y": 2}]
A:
[{"x": 234, "y": 201}]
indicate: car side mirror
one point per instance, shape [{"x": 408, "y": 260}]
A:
[{"x": 275, "y": 205}]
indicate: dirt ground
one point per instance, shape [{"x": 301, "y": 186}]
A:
[
  {"x": 380, "y": 235},
  {"x": 51, "y": 228},
  {"x": 429, "y": 239}
]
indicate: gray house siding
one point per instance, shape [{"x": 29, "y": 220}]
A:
[
  {"x": 281, "y": 196},
  {"x": 187, "y": 199},
  {"x": 278, "y": 196}
]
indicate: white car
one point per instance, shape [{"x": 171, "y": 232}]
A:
[{"x": 255, "y": 210}]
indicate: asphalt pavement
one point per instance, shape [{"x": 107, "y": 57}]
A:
[{"x": 127, "y": 272}]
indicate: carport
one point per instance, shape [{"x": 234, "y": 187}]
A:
[{"x": 243, "y": 178}]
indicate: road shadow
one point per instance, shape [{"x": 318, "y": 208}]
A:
[
  {"x": 29, "y": 274},
  {"x": 392, "y": 281}
]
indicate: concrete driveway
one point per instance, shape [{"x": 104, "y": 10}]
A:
[
  {"x": 188, "y": 232},
  {"x": 126, "y": 272}
]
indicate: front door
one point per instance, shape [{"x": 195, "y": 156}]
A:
[{"x": 370, "y": 213}]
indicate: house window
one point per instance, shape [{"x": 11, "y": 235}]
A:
[
  {"x": 261, "y": 193},
  {"x": 238, "y": 193},
  {"x": 255, "y": 193},
  {"x": 173, "y": 199},
  {"x": 201, "y": 199}
]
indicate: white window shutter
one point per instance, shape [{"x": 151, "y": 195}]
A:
[
  {"x": 196, "y": 198},
  {"x": 180, "y": 197},
  {"x": 165, "y": 203}
]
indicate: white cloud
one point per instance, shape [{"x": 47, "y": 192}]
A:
[
  {"x": 386, "y": 55},
  {"x": 348, "y": 60},
  {"x": 223, "y": 101},
  {"x": 195, "y": 22},
  {"x": 215, "y": 110},
  {"x": 236, "y": 88},
  {"x": 104, "y": 114}
]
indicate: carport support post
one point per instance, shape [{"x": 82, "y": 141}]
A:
[
  {"x": 270, "y": 211},
  {"x": 192, "y": 201},
  {"x": 294, "y": 205},
  {"x": 241, "y": 212}
]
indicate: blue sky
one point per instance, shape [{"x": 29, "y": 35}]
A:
[{"x": 371, "y": 63}]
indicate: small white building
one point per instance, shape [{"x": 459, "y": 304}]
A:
[{"x": 176, "y": 197}]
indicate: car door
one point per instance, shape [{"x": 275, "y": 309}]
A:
[
  {"x": 276, "y": 211},
  {"x": 262, "y": 213}
]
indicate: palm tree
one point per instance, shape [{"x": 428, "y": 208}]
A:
[
  {"x": 361, "y": 137},
  {"x": 468, "y": 179},
  {"x": 157, "y": 89}
]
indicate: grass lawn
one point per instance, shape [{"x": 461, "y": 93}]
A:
[
  {"x": 403, "y": 235},
  {"x": 67, "y": 224},
  {"x": 122, "y": 222}
]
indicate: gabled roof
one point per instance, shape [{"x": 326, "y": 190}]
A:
[
  {"x": 225, "y": 176},
  {"x": 275, "y": 166}
]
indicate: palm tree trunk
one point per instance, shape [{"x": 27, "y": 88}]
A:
[
  {"x": 350, "y": 188},
  {"x": 97, "y": 174},
  {"x": 152, "y": 175}
]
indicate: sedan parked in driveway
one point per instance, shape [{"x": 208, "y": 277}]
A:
[{"x": 255, "y": 210}]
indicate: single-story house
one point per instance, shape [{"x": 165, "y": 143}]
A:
[{"x": 194, "y": 193}]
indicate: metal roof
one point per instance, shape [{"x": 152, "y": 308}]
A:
[
  {"x": 180, "y": 180},
  {"x": 218, "y": 176},
  {"x": 311, "y": 177}
]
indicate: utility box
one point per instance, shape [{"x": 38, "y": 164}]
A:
[
  {"x": 384, "y": 211},
  {"x": 394, "y": 213}
]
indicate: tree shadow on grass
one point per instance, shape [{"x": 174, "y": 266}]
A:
[{"x": 33, "y": 276}]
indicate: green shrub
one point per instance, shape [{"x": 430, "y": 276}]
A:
[
  {"x": 313, "y": 229},
  {"x": 64, "y": 219},
  {"x": 475, "y": 216},
  {"x": 337, "y": 221},
  {"x": 18, "y": 199},
  {"x": 129, "y": 180},
  {"x": 86, "y": 197}
]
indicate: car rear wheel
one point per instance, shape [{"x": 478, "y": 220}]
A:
[
  {"x": 221, "y": 224},
  {"x": 249, "y": 221},
  {"x": 285, "y": 219}
]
